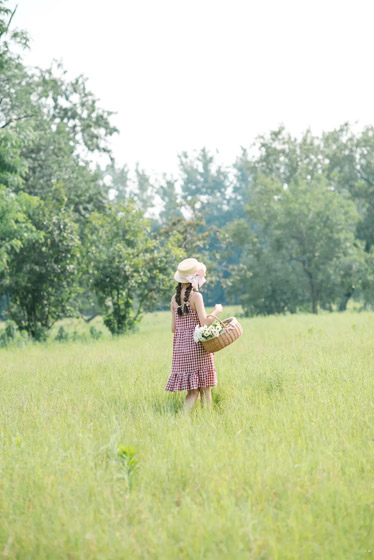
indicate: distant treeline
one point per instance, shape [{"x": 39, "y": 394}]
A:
[{"x": 288, "y": 227}]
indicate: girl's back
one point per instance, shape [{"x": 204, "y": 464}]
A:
[{"x": 192, "y": 367}]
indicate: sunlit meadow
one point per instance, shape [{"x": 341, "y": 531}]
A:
[{"x": 98, "y": 461}]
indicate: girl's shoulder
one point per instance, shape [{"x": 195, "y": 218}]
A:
[{"x": 195, "y": 297}]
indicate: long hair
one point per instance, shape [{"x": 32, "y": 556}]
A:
[{"x": 182, "y": 309}]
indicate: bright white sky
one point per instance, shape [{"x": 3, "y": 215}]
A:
[{"x": 186, "y": 74}]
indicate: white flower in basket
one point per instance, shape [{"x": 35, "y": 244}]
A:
[
  {"x": 207, "y": 333},
  {"x": 218, "y": 335}
]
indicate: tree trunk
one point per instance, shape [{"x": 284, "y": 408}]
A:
[
  {"x": 313, "y": 289},
  {"x": 314, "y": 294},
  {"x": 345, "y": 299},
  {"x": 118, "y": 315}
]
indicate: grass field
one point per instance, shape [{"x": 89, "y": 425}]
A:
[{"x": 97, "y": 461}]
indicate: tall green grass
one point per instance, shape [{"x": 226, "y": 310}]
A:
[{"x": 97, "y": 461}]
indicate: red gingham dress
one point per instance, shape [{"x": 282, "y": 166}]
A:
[{"x": 192, "y": 366}]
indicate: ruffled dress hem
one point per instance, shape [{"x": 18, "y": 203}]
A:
[{"x": 189, "y": 381}]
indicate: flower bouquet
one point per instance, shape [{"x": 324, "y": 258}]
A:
[{"x": 207, "y": 333}]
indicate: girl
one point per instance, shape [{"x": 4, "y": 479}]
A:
[{"x": 192, "y": 368}]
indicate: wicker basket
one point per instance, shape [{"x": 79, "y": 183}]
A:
[{"x": 233, "y": 330}]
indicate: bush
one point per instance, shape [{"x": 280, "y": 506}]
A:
[
  {"x": 62, "y": 335},
  {"x": 8, "y": 335},
  {"x": 10, "y": 331},
  {"x": 94, "y": 333}
]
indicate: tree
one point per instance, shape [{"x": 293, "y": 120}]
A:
[
  {"x": 313, "y": 223},
  {"x": 282, "y": 156},
  {"x": 351, "y": 167},
  {"x": 9, "y": 36},
  {"x": 205, "y": 186},
  {"x": 344, "y": 159},
  {"x": 65, "y": 125},
  {"x": 41, "y": 269},
  {"x": 117, "y": 181},
  {"x": 57, "y": 124},
  {"x": 266, "y": 281},
  {"x": 364, "y": 191},
  {"x": 172, "y": 203},
  {"x": 129, "y": 270}
]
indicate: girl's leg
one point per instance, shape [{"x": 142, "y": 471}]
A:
[
  {"x": 206, "y": 396},
  {"x": 190, "y": 399}
]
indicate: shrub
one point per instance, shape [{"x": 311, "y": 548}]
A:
[{"x": 62, "y": 335}]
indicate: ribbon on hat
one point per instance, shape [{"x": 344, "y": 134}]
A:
[{"x": 197, "y": 279}]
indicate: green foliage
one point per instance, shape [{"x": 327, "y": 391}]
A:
[
  {"x": 117, "y": 181},
  {"x": 128, "y": 268},
  {"x": 63, "y": 125},
  {"x": 42, "y": 271},
  {"x": 301, "y": 210},
  {"x": 15, "y": 227},
  {"x": 49, "y": 125},
  {"x": 313, "y": 224},
  {"x": 8, "y": 335},
  {"x": 172, "y": 205},
  {"x": 367, "y": 280},
  {"x": 267, "y": 282},
  {"x": 9, "y": 37},
  {"x": 62, "y": 335},
  {"x": 95, "y": 334},
  {"x": 129, "y": 462},
  {"x": 12, "y": 166},
  {"x": 306, "y": 229},
  {"x": 205, "y": 186},
  {"x": 363, "y": 188},
  {"x": 198, "y": 203},
  {"x": 10, "y": 331},
  {"x": 72, "y": 104}
]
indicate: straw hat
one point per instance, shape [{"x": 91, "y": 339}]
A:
[{"x": 191, "y": 270}]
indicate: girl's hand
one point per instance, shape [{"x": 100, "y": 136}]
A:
[{"x": 218, "y": 308}]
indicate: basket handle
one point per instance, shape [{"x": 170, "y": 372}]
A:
[{"x": 218, "y": 319}]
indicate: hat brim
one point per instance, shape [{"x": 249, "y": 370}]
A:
[{"x": 179, "y": 277}]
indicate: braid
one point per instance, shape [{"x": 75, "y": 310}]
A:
[
  {"x": 182, "y": 309},
  {"x": 186, "y": 297},
  {"x": 178, "y": 298}
]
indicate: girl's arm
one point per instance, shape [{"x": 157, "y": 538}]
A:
[
  {"x": 172, "y": 318},
  {"x": 200, "y": 308}
]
